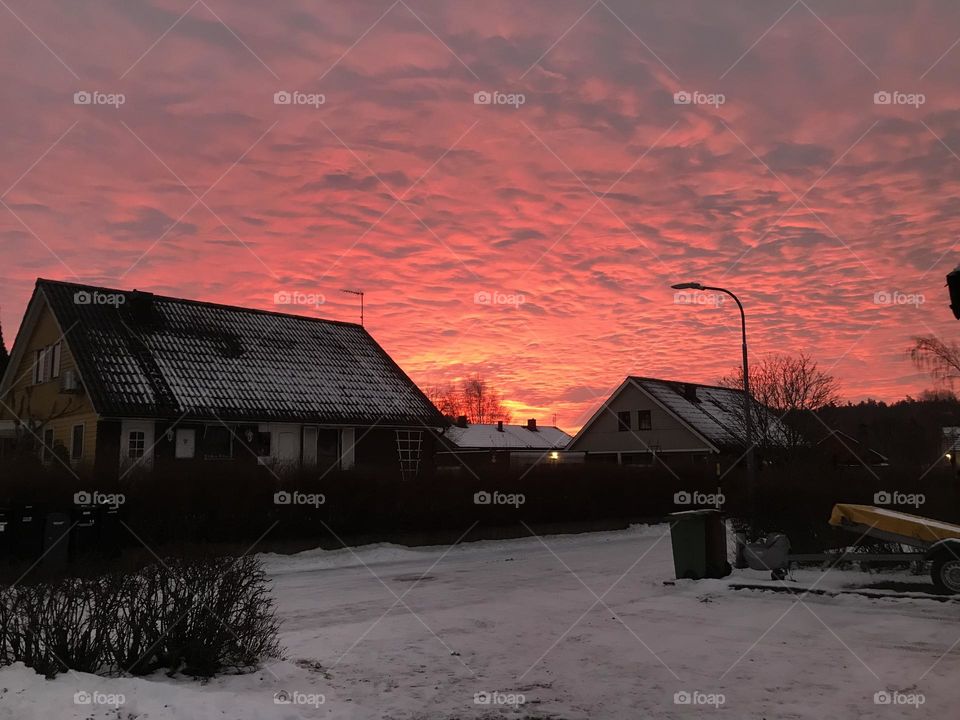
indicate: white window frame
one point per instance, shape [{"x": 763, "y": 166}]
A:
[
  {"x": 46, "y": 450},
  {"x": 39, "y": 361},
  {"x": 56, "y": 359},
  {"x": 143, "y": 441}
]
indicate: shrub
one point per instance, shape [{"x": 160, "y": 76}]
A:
[{"x": 199, "y": 617}]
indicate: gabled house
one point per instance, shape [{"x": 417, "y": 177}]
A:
[
  {"x": 844, "y": 450},
  {"x": 678, "y": 422},
  {"x": 111, "y": 378},
  {"x": 501, "y": 444}
]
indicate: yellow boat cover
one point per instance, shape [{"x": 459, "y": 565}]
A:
[{"x": 891, "y": 521}]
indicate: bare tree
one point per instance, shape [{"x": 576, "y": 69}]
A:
[
  {"x": 474, "y": 398},
  {"x": 789, "y": 385},
  {"x": 940, "y": 359},
  {"x": 447, "y": 399}
]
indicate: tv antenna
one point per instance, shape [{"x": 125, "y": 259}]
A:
[{"x": 360, "y": 294}]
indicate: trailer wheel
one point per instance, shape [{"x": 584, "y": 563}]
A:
[{"x": 946, "y": 574}]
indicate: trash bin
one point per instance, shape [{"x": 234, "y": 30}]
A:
[{"x": 699, "y": 541}]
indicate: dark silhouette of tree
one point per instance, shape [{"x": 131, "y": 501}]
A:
[
  {"x": 790, "y": 386},
  {"x": 940, "y": 359},
  {"x": 474, "y": 398}
]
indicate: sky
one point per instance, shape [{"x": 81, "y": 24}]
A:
[{"x": 514, "y": 185}]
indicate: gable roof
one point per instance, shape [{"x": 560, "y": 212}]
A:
[
  {"x": 712, "y": 412},
  {"x": 155, "y": 356},
  {"x": 513, "y": 437},
  {"x": 851, "y": 451}
]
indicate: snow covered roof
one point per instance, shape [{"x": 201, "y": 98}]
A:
[
  {"x": 146, "y": 355},
  {"x": 517, "y": 437},
  {"x": 713, "y": 411}
]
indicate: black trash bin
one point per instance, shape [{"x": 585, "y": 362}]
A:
[
  {"x": 699, "y": 541},
  {"x": 27, "y": 539},
  {"x": 56, "y": 542}
]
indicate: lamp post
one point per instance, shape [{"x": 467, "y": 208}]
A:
[{"x": 747, "y": 414}]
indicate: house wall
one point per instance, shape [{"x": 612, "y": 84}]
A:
[
  {"x": 667, "y": 434},
  {"x": 45, "y": 403}
]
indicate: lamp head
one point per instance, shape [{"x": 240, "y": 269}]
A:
[{"x": 687, "y": 286}]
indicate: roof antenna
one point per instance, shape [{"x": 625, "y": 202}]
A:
[{"x": 360, "y": 293}]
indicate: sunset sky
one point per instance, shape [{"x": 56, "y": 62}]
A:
[{"x": 571, "y": 209}]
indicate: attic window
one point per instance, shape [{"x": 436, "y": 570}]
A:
[
  {"x": 643, "y": 420},
  {"x": 623, "y": 421}
]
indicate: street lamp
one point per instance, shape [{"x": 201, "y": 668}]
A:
[{"x": 748, "y": 416}]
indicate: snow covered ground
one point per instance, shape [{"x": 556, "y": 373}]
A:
[{"x": 577, "y": 626}]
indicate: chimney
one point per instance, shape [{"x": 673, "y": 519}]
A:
[
  {"x": 690, "y": 392},
  {"x": 462, "y": 421},
  {"x": 499, "y": 425},
  {"x": 532, "y": 424}
]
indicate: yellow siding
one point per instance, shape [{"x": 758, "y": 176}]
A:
[{"x": 41, "y": 402}]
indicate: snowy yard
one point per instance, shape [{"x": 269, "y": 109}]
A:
[{"x": 578, "y": 626}]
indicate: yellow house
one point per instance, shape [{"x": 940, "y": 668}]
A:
[{"x": 113, "y": 379}]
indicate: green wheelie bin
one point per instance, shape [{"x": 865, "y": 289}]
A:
[{"x": 699, "y": 542}]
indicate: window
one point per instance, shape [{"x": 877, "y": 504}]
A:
[
  {"x": 76, "y": 445},
  {"x": 38, "y": 376},
  {"x": 623, "y": 421},
  {"x": 643, "y": 420},
  {"x": 217, "y": 442},
  {"x": 47, "y": 453},
  {"x": 55, "y": 360},
  {"x": 186, "y": 443},
  {"x": 136, "y": 444}
]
